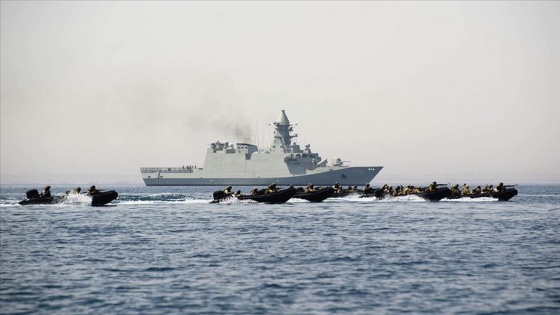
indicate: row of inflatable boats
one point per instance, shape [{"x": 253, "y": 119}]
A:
[
  {"x": 273, "y": 195},
  {"x": 446, "y": 193},
  {"x": 434, "y": 192}
]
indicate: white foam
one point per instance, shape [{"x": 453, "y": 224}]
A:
[
  {"x": 467, "y": 199},
  {"x": 153, "y": 202},
  {"x": 77, "y": 199}
]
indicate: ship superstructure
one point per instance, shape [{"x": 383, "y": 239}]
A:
[{"x": 243, "y": 164}]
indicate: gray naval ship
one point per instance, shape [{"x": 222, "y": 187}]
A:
[{"x": 243, "y": 164}]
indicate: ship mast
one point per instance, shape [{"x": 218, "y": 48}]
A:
[{"x": 282, "y": 137}]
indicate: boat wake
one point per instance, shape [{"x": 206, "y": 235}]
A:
[
  {"x": 480, "y": 199},
  {"x": 153, "y": 202},
  {"x": 76, "y": 199}
]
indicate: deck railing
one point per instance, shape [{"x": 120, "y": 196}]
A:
[{"x": 184, "y": 169}]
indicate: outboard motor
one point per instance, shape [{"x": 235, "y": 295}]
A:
[
  {"x": 218, "y": 194},
  {"x": 33, "y": 193}
]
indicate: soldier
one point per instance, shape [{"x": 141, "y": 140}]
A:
[
  {"x": 337, "y": 188},
  {"x": 92, "y": 191},
  {"x": 466, "y": 190},
  {"x": 46, "y": 192},
  {"x": 500, "y": 187},
  {"x": 406, "y": 190},
  {"x": 271, "y": 188},
  {"x": 455, "y": 190},
  {"x": 309, "y": 188},
  {"x": 227, "y": 191},
  {"x": 432, "y": 187},
  {"x": 477, "y": 190}
]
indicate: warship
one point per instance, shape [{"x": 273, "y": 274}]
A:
[{"x": 243, "y": 164}]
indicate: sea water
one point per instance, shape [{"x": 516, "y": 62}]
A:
[{"x": 167, "y": 250}]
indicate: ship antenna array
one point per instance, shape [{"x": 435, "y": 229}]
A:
[{"x": 257, "y": 134}]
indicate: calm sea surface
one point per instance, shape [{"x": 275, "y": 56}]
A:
[{"x": 166, "y": 250}]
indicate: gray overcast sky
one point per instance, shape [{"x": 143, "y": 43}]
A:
[{"x": 448, "y": 91}]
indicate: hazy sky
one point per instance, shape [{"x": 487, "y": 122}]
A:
[{"x": 448, "y": 91}]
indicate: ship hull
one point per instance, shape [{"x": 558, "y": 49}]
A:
[{"x": 345, "y": 176}]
